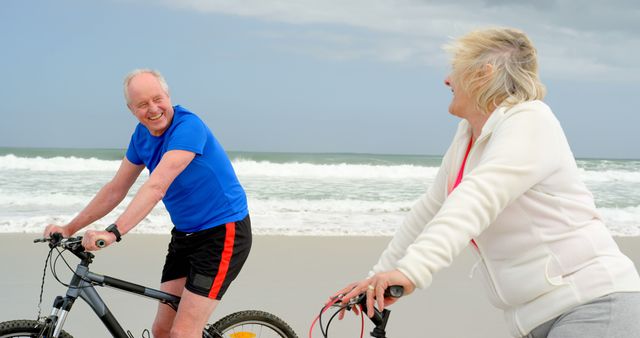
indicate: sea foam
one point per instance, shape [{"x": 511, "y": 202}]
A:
[{"x": 292, "y": 197}]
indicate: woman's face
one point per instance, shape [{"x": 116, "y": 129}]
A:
[{"x": 461, "y": 103}]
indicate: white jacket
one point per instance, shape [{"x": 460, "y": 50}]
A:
[{"x": 542, "y": 245}]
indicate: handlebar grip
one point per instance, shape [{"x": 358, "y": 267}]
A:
[
  {"x": 101, "y": 243},
  {"x": 395, "y": 291}
]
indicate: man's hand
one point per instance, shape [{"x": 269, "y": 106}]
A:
[
  {"x": 92, "y": 236},
  {"x": 52, "y": 228}
]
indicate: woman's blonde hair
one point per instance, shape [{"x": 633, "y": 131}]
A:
[{"x": 512, "y": 77}]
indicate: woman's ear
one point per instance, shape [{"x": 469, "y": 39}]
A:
[
  {"x": 487, "y": 70},
  {"x": 484, "y": 74}
]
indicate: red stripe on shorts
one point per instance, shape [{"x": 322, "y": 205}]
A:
[{"x": 227, "y": 252}]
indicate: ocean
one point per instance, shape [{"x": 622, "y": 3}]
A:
[{"x": 288, "y": 193}]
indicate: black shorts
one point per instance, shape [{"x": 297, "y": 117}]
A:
[{"x": 210, "y": 259}]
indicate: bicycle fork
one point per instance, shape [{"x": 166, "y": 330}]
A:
[{"x": 59, "y": 311}]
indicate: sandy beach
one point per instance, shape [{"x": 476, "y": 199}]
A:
[{"x": 287, "y": 275}]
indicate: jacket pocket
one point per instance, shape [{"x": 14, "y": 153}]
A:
[
  {"x": 521, "y": 283},
  {"x": 488, "y": 283}
]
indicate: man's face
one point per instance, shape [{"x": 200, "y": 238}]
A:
[{"x": 149, "y": 103}]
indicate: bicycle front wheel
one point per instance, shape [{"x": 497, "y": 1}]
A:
[
  {"x": 26, "y": 329},
  {"x": 251, "y": 324}
]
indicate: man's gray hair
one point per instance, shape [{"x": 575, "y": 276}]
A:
[{"x": 135, "y": 72}]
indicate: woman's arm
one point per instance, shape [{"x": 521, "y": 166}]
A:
[
  {"x": 522, "y": 151},
  {"x": 420, "y": 214}
]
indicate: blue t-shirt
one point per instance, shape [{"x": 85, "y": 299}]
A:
[{"x": 207, "y": 193}]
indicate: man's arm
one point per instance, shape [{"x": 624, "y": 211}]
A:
[
  {"x": 109, "y": 196},
  {"x": 171, "y": 165}
]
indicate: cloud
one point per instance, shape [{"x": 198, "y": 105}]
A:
[
  {"x": 356, "y": 45},
  {"x": 588, "y": 39}
]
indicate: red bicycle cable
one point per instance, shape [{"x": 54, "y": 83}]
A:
[
  {"x": 326, "y": 307},
  {"x": 362, "y": 323}
]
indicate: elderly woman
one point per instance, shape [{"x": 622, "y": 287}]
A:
[{"x": 509, "y": 187}]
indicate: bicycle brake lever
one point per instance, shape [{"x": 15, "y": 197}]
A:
[
  {"x": 55, "y": 239},
  {"x": 356, "y": 300}
]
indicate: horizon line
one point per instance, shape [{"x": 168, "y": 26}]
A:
[{"x": 303, "y": 152}]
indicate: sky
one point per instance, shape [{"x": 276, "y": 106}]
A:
[{"x": 361, "y": 76}]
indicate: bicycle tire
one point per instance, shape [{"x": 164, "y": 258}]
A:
[
  {"x": 250, "y": 324},
  {"x": 25, "y": 328}
]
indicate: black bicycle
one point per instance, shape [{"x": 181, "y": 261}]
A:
[
  {"x": 243, "y": 324},
  {"x": 379, "y": 318}
]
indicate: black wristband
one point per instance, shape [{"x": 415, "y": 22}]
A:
[{"x": 113, "y": 228}]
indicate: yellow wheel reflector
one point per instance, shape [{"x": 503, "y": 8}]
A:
[{"x": 243, "y": 335}]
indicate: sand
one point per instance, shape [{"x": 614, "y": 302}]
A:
[{"x": 289, "y": 276}]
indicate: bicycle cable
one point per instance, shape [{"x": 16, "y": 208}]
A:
[
  {"x": 44, "y": 273},
  {"x": 319, "y": 316},
  {"x": 335, "y": 314},
  {"x": 325, "y": 330},
  {"x": 145, "y": 334},
  {"x": 55, "y": 275},
  {"x": 322, "y": 329},
  {"x": 52, "y": 266}
]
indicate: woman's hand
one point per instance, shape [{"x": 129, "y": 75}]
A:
[
  {"x": 374, "y": 288},
  {"x": 341, "y": 295},
  {"x": 379, "y": 282},
  {"x": 92, "y": 236}
]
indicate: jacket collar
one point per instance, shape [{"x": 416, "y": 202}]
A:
[{"x": 464, "y": 128}]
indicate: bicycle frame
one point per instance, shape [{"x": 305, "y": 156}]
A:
[{"x": 82, "y": 285}]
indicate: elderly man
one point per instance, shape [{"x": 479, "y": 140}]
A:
[{"x": 191, "y": 173}]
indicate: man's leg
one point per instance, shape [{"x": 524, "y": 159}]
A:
[
  {"x": 215, "y": 258},
  {"x": 192, "y": 316},
  {"x": 165, "y": 315}
]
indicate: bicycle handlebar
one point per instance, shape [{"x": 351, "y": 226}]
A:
[
  {"x": 70, "y": 243},
  {"x": 73, "y": 244},
  {"x": 56, "y": 240},
  {"x": 394, "y": 291},
  {"x": 379, "y": 318}
]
